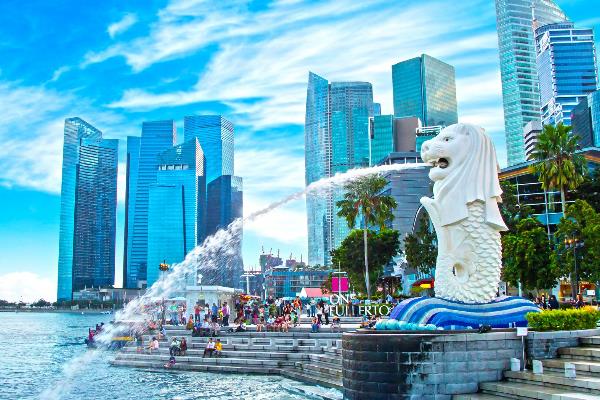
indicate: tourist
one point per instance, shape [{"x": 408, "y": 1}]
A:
[
  {"x": 294, "y": 318},
  {"x": 190, "y": 323},
  {"x": 226, "y": 312},
  {"x": 174, "y": 348},
  {"x": 543, "y": 303},
  {"x": 314, "y": 328},
  {"x": 174, "y": 320},
  {"x": 210, "y": 347},
  {"x": 579, "y": 303},
  {"x": 270, "y": 323},
  {"x": 183, "y": 346},
  {"x": 153, "y": 346},
  {"x": 214, "y": 328},
  {"x": 336, "y": 325},
  {"x": 162, "y": 332},
  {"x": 218, "y": 348},
  {"x": 553, "y": 303},
  {"x": 139, "y": 338},
  {"x": 170, "y": 363},
  {"x": 196, "y": 313},
  {"x": 320, "y": 313},
  {"x": 326, "y": 312},
  {"x": 214, "y": 313},
  {"x": 260, "y": 324},
  {"x": 313, "y": 308},
  {"x": 308, "y": 310}
]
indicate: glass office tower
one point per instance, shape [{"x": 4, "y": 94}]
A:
[
  {"x": 382, "y": 137},
  {"x": 130, "y": 275},
  {"x": 566, "y": 66},
  {"x": 594, "y": 104},
  {"x": 425, "y": 87},
  {"x": 215, "y": 135},
  {"x": 336, "y": 139},
  {"x": 225, "y": 204},
  {"x": 157, "y": 136},
  {"x": 520, "y": 91},
  {"x": 173, "y": 205},
  {"x": 88, "y": 209}
]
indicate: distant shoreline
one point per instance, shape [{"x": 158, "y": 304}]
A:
[{"x": 60, "y": 311}]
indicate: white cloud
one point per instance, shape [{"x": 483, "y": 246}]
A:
[
  {"x": 26, "y": 286},
  {"x": 59, "y": 72},
  {"x": 122, "y": 25}
]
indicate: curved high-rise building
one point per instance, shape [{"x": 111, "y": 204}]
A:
[
  {"x": 336, "y": 138},
  {"x": 520, "y": 88}
]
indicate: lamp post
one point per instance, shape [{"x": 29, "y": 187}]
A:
[
  {"x": 163, "y": 267},
  {"x": 574, "y": 243}
]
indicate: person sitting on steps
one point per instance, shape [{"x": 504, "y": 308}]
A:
[{"x": 210, "y": 347}]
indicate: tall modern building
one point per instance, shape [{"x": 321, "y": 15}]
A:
[
  {"x": 174, "y": 200},
  {"x": 215, "y": 135},
  {"x": 142, "y": 167},
  {"x": 425, "y": 87},
  {"x": 520, "y": 89},
  {"x": 389, "y": 134},
  {"x": 585, "y": 120},
  {"x": 566, "y": 66},
  {"x": 224, "y": 203},
  {"x": 88, "y": 209},
  {"x": 336, "y": 139}
]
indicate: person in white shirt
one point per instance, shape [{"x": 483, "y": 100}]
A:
[{"x": 210, "y": 347}]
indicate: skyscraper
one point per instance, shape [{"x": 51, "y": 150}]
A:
[
  {"x": 173, "y": 204},
  {"x": 566, "y": 66},
  {"x": 157, "y": 136},
  {"x": 224, "y": 202},
  {"x": 88, "y": 209},
  {"x": 336, "y": 139},
  {"x": 585, "y": 120},
  {"x": 215, "y": 135},
  {"x": 425, "y": 87},
  {"x": 520, "y": 91}
]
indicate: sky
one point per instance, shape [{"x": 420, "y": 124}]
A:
[{"x": 116, "y": 64}]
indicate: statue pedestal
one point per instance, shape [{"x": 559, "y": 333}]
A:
[{"x": 502, "y": 312}]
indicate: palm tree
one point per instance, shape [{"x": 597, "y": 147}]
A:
[
  {"x": 364, "y": 196},
  {"x": 557, "y": 163}
]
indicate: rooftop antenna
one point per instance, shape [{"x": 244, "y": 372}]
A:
[{"x": 277, "y": 253}]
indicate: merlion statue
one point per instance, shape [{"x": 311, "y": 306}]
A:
[{"x": 465, "y": 215}]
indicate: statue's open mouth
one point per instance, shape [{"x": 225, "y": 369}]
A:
[{"x": 440, "y": 162}]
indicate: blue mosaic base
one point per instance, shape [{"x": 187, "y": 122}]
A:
[{"x": 428, "y": 312}]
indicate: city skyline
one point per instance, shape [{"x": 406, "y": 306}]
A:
[{"x": 122, "y": 73}]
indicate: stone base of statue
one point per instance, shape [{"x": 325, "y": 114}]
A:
[{"x": 420, "y": 312}]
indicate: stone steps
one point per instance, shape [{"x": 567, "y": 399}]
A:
[
  {"x": 325, "y": 370},
  {"x": 199, "y": 360},
  {"x": 316, "y": 379},
  {"x": 478, "y": 396},
  {"x": 196, "y": 367},
  {"x": 586, "y": 384},
  {"x": 591, "y": 341},
  {"x": 516, "y": 390},
  {"x": 582, "y": 353},
  {"x": 581, "y": 366}
]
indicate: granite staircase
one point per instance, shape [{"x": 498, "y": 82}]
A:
[
  {"x": 315, "y": 358},
  {"x": 552, "y": 383}
]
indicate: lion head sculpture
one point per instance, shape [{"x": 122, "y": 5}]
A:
[{"x": 464, "y": 170}]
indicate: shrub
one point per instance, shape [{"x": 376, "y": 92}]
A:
[{"x": 563, "y": 320}]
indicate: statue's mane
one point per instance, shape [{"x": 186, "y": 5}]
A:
[{"x": 475, "y": 179}]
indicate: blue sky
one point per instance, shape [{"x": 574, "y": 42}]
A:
[{"x": 118, "y": 63}]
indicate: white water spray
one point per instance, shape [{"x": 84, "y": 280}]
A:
[{"x": 206, "y": 257}]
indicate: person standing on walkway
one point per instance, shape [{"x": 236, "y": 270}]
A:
[
  {"x": 196, "y": 313},
  {"x": 319, "y": 313},
  {"x": 313, "y": 308},
  {"x": 226, "y": 311},
  {"x": 326, "y": 310}
]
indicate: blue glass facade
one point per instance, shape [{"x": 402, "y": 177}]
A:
[
  {"x": 520, "y": 90},
  {"x": 130, "y": 276},
  {"x": 88, "y": 209},
  {"x": 224, "y": 205},
  {"x": 566, "y": 65},
  {"x": 581, "y": 123},
  {"x": 174, "y": 202},
  {"x": 215, "y": 135},
  {"x": 382, "y": 137},
  {"x": 425, "y": 87},
  {"x": 594, "y": 104},
  {"x": 157, "y": 136},
  {"x": 336, "y": 139}
]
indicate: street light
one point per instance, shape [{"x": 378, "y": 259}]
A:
[
  {"x": 574, "y": 243},
  {"x": 163, "y": 267}
]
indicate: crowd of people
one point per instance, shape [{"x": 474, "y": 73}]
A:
[{"x": 553, "y": 304}]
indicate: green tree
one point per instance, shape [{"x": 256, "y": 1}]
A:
[
  {"x": 421, "y": 248},
  {"x": 41, "y": 303},
  {"x": 383, "y": 246},
  {"x": 589, "y": 190},
  {"x": 364, "y": 197},
  {"x": 557, "y": 164},
  {"x": 525, "y": 254},
  {"x": 580, "y": 222}
]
